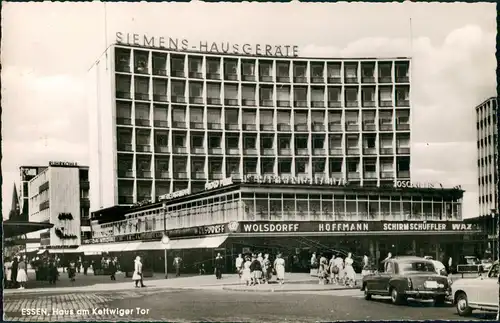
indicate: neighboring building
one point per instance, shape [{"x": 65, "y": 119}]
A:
[
  {"x": 26, "y": 174},
  {"x": 487, "y": 162},
  {"x": 60, "y": 195},
  {"x": 167, "y": 120}
]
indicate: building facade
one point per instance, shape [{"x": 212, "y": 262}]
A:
[
  {"x": 169, "y": 120},
  {"x": 487, "y": 157},
  {"x": 27, "y": 173},
  {"x": 60, "y": 195}
]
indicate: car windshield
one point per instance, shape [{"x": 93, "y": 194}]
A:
[{"x": 416, "y": 267}]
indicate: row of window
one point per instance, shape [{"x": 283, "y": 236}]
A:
[
  {"x": 488, "y": 198},
  {"x": 486, "y": 142}
]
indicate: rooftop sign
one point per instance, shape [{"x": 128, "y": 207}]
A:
[
  {"x": 219, "y": 183},
  {"x": 294, "y": 180},
  {"x": 180, "y": 44},
  {"x": 62, "y": 164},
  {"x": 174, "y": 195}
]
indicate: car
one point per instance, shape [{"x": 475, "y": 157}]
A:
[
  {"x": 479, "y": 293},
  {"x": 407, "y": 277},
  {"x": 486, "y": 263},
  {"x": 439, "y": 267}
]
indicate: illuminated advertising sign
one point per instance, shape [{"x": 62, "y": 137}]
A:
[{"x": 294, "y": 180}]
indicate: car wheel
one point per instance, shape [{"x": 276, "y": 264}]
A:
[
  {"x": 462, "y": 304},
  {"x": 440, "y": 300},
  {"x": 396, "y": 298},
  {"x": 368, "y": 296}
]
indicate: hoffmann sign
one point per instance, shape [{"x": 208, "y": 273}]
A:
[{"x": 180, "y": 44}]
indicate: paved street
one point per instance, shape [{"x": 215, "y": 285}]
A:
[{"x": 211, "y": 303}]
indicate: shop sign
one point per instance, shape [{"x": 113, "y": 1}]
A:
[
  {"x": 99, "y": 240},
  {"x": 492, "y": 237},
  {"x": 219, "y": 183},
  {"x": 62, "y": 164},
  {"x": 198, "y": 231},
  {"x": 174, "y": 195},
  {"x": 179, "y": 44},
  {"x": 410, "y": 184},
  {"x": 294, "y": 180}
]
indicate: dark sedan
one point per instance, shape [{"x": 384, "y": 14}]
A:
[{"x": 407, "y": 277}]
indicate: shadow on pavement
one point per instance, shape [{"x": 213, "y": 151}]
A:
[{"x": 410, "y": 302}]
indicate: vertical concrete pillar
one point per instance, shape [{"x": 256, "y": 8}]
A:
[
  {"x": 372, "y": 249},
  {"x": 377, "y": 253},
  {"x": 414, "y": 247},
  {"x": 437, "y": 251}
]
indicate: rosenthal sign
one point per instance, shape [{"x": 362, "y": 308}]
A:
[
  {"x": 219, "y": 183},
  {"x": 174, "y": 195},
  {"x": 207, "y": 47},
  {"x": 62, "y": 164},
  {"x": 294, "y": 180}
]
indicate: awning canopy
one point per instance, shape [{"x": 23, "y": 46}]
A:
[
  {"x": 17, "y": 228},
  {"x": 58, "y": 251}
]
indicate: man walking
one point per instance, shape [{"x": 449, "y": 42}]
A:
[
  {"x": 177, "y": 265},
  {"x": 239, "y": 264},
  {"x": 219, "y": 263}
]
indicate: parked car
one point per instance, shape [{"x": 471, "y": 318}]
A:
[
  {"x": 407, "y": 277},
  {"x": 439, "y": 267},
  {"x": 479, "y": 293},
  {"x": 486, "y": 263}
]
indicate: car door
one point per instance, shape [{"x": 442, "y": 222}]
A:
[
  {"x": 385, "y": 277},
  {"x": 488, "y": 288}
]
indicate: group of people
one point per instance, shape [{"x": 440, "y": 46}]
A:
[
  {"x": 335, "y": 271},
  {"x": 255, "y": 269},
  {"x": 15, "y": 272}
]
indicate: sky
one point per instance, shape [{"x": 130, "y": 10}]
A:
[{"x": 47, "y": 49}]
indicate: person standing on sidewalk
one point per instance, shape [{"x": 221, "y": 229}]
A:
[
  {"x": 177, "y": 265},
  {"x": 256, "y": 269},
  {"x": 8, "y": 272},
  {"x": 349, "y": 271},
  {"x": 279, "y": 266},
  {"x": 267, "y": 269},
  {"x": 137, "y": 276},
  {"x": 239, "y": 265},
  {"x": 15, "y": 265},
  {"x": 22, "y": 277},
  {"x": 52, "y": 271},
  {"x": 219, "y": 263},
  {"x": 72, "y": 270},
  {"x": 112, "y": 269},
  {"x": 246, "y": 274},
  {"x": 85, "y": 266}
]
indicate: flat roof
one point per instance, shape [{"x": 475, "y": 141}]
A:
[{"x": 486, "y": 101}]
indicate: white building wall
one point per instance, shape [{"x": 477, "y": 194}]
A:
[{"x": 102, "y": 174}]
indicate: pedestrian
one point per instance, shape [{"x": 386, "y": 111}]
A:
[
  {"x": 219, "y": 264},
  {"x": 15, "y": 264},
  {"x": 85, "y": 267},
  {"x": 260, "y": 259},
  {"x": 350, "y": 274},
  {"x": 267, "y": 269},
  {"x": 137, "y": 276},
  {"x": 322, "y": 270},
  {"x": 79, "y": 264},
  {"x": 335, "y": 269},
  {"x": 239, "y": 265},
  {"x": 246, "y": 275},
  {"x": 366, "y": 266},
  {"x": 450, "y": 265},
  {"x": 177, "y": 265},
  {"x": 279, "y": 267},
  {"x": 389, "y": 256},
  {"x": 52, "y": 271},
  {"x": 256, "y": 269},
  {"x": 112, "y": 269},
  {"x": 8, "y": 272},
  {"x": 314, "y": 261},
  {"x": 72, "y": 270},
  {"x": 21, "y": 277}
]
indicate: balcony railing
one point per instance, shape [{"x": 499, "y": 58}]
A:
[
  {"x": 216, "y": 175},
  {"x": 368, "y": 79},
  {"x": 250, "y": 127},
  {"x": 161, "y": 149},
  {"x": 198, "y": 175},
  {"x": 124, "y": 121},
  {"x": 125, "y": 199},
  {"x": 285, "y": 152},
  {"x": 301, "y": 127},
  {"x": 266, "y": 103},
  {"x": 302, "y": 151},
  {"x": 386, "y": 151},
  {"x": 369, "y": 151},
  {"x": 144, "y": 174},
  {"x": 123, "y": 95},
  {"x": 164, "y": 174},
  {"x": 334, "y": 80},
  {"x": 387, "y": 174},
  {"x": 318, "y": 79},
  {"x": 336, "y": 151},
  {"x": 160, "y": 97},
  {"x": 300, "y": 79},
  {"x": 318, "y": 104},
  {"x": 141, "y": 96},
  {"x": 179, "y": 124},
  {"x": 268, "y": 151},
  {"x": 385, "y": 79},
  {"x": 300, "y": 104},
  {"x": 161, "y": 123},
  {"x": 352, "y": 104},
  {"x": 404, "y": 174},
  {"x": 248, "y": 78},
  {"x": 196, "y": 75},
  {"x": 160, "y": 71},
  {"x": 250, "y": 151},
  {"x": 178, "y": 99},
  {"x": 177, "y": 73},
  {"x": 402, "y": 126},
  {"x": 267, "y": 127},
  {"x": 143, "y": 148},
  {"x": 265, "y": 78},
  {"x": 180, "y": 174},
  {"x": 370, "y": 175},
  {"x": 353, "y": 151},
  {"x": 402, "y": 79},
  {"x": 213, "y": 76},
  {"x": 283, "y": 104},
  {"x": 319, "y": 151},
  {"x": 318, "y": 126},
  {"x": 231, "y": 102},
  {"x": 231, "y": 76},
  {"x": 385, "y": 126},
  {"x": 233, "y": 151},
  {"x": 248, "y": 103},
  {"x": 214, "y": 126},
  {"x": 369, "y": 126},
  {"x": 142, "y": 122},
  {"x": 352, "y": 127},
  {"x": 284, "y": 127},
  {"x": 215, "y": 151},
  {"x": 197, "y": 150},
  {"x": 402, "y": 103},
  {"x": 179, "y": 150},
  {"x": 197, "y": 125},
  {"x": 196, "y": 100},
  {"x": 232, "y": 126},
  {"x": 126, "y": 173},
  {"x": 335, "y": 127},
  {"x": 214, "y": 101},
  {"x": 368, "y": 104},
  {"x": 350, "y": 80},
  {"x": 336, "y": 175},
  {"x": 353, "y": 175},
  {"x": 403, "y": 150},
  {"x": 283, "y": 79},
  {"x": 385, "y": 103},
  {"x": 124, "y": 147}
]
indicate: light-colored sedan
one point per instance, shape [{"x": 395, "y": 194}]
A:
[{"x": 479, "y": 293}]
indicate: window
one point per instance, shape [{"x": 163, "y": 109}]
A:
[
  {"x": 266, "y": 93},
  {"x": 232, "y": 142},
  {"x": 212, "y": 67},
  {"x": 266, "y": 116},
  {"x": 352, "y": 166},
  {"x": 301, "y": 167},
  {"x": 195, "y": 65},
  {"x": 249, "y": 117},
  {"x": 196, "y": 115},
  {"x": 231, "y": 91},
  {"x": 299, "y": 71},
  {"x": 230, "y": 68},
  {"x": 250, "y": 143},
  {"x": 248, "y": 93},
  {"x": 179, "y": 141},
  {"x": 334, "y": 94},
  {"x": 385, "y": 95},
  {"x": 317, "y": 70},
  {"x": 214, "y": 115},
  {"x": 317, "y": 95},
  {"x": 179, "y": 115},
  {"x": 370, "y": 142},
  {"x": 351, "y": 94},
  {"x": 231, "y": 116},
  {"x": 283, "y": 94},
  {"x": 351, "y": 71},
  {"x": 370, "y": 166},
  {"x": 368, "y": 95},
  {"x": 336, "y": 166},
  {"x": 195, "y": 89},
  {"x": 300, "y": 117},
  {"x": 267, "y": 142},
  {"x": 162, "y": 140},
  {"x": 265, "y": 69},
  {"x": 300, "y": 94},
  {"x": 197, "y": 141},
  {"x": 178, "y": 88},
  {"x": 214, "y": 142},
  {"x": 284, "y": 117},
  {"x": 177, "y": 64},
  {"x": 283, "y": 70},
  {"x": 248, "y": 69}
]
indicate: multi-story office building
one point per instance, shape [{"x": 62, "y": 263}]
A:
[
  {"x": 165, "y": 120},
  {"x": 26, "y": 174},
  {"x": 59, "y": 195},
  {"x": 487, "y": 163}
]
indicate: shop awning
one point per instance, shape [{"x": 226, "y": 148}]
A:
[
  {"x": 132, "y": 246},
  {"x": 194, "y": 243},
  {"x": 90, "y": 249}
]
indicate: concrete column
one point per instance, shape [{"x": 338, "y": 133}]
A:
[
  {"x": 414, "y": 247},
  {"x": 372, "y": 249},
  {"x": 377, "y": 253},
  {"x": 437, "y": 251}
]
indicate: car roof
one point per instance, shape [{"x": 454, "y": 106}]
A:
[{"x": 408, "y": 258}]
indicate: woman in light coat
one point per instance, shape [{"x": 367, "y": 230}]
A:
[
  {"x": 246, "y": 275},
  {"x": 22, "y": 277},
  {"x": 350, "y": 274},
  {"x": 137, "y": 276},
  {"x": 8, "y": 273},
  {"x": 279, "y": 266}
]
